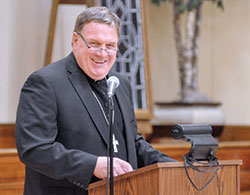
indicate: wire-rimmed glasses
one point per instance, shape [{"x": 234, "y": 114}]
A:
[{"x": 94, "y": 47}]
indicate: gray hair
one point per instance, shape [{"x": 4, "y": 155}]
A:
[{"x": 97, "y": 14}]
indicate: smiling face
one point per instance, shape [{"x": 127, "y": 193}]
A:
[{"x": 95, "y": 64}]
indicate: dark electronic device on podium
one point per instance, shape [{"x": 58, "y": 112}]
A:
[{"x": 203, "y": 148}]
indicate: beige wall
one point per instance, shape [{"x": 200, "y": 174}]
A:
[
  {"x": 24, "y": 28},
  {"x": 224, "y": 60},
  {"x": 23, "y": 34}
]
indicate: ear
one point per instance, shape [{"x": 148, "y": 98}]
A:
[{"x": 75, "y": 39}]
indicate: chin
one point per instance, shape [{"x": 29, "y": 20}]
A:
[{"x": 102, "y": 75}]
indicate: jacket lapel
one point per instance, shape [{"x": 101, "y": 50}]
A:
[
  {"x": 125, "y": 110},
  {"x": 84, "y": 91}
]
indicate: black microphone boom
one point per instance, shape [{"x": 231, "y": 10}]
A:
[{"x": 113, "y": 82}]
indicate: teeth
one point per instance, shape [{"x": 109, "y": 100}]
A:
[{"x": 99, "y": 61}]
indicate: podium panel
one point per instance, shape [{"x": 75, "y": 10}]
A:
[{"x": 170, "y": 178}]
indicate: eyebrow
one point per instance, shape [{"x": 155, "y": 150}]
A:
[{"x": 91, "y": 39}]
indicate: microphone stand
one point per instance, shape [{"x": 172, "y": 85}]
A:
[{"x": 111, "y": 148}]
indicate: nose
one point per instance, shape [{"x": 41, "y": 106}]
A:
[{"x": 102, "y": 51}]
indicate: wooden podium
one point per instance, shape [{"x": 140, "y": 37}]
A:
[{"x": 171, "y": 179}]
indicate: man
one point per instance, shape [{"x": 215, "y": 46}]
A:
[{"x": 62, "y": 127}]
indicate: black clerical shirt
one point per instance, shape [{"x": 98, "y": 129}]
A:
[{"x": 99, "y": 87}]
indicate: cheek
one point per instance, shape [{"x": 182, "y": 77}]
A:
[
  {"x": 85, "y": 55},
  {"x": 112, "y": 60}
]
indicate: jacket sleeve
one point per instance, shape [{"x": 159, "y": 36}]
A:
[
  {"x": 36, "y": 131},
  {"x": 147, "y": 155}
]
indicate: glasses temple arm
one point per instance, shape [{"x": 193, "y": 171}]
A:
[{"x": 83, "y": 39}]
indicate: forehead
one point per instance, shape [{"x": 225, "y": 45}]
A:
[{"x": 97, "y": 30}]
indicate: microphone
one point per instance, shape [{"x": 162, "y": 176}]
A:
[{"x": 113, "y": 82}]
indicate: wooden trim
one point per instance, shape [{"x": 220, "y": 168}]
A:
[
  {"x": 8, "y": 152},
  {"x": 235, "y": 133},
  {"x": 186, "y": 104},
  {"x": 51, "y": 32},
  {"x": 146, "y": 56},
  {"x": 234, "y": 144},
  {"x": 238, "y": 178},
  {"x": 7, "y": 136},
  {"x": 144, "y": 116},
  {"x": 12, "y": 172},
  {"x": 144, "y": 128}
]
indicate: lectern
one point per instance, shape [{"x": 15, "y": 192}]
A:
[{"x": 171, "y": 179}]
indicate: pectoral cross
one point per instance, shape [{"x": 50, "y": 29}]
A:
[{"x": 115, "y": 143}]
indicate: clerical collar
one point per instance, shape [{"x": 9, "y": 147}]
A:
[{"x": 104, "y": 80}]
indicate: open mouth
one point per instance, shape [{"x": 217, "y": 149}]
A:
[{"x": 100, "y": 62}]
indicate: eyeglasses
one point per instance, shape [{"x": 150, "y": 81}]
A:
[{"x": 94, "y": 47}]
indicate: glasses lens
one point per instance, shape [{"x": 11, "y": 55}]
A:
[
  {"x": 98, "y": 50},
  {"x": 111, "y": 52}
]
